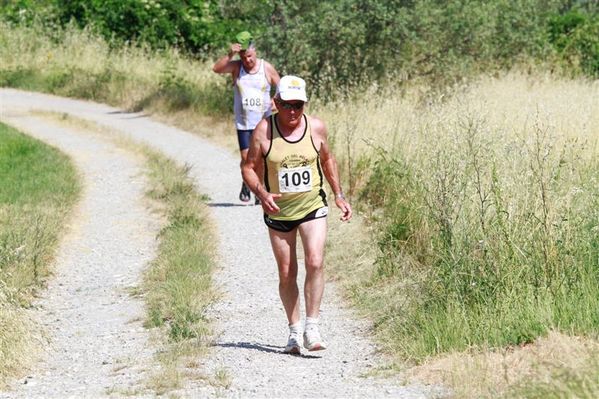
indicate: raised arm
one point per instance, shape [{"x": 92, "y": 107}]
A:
[
  {"x": 226, "y": 64},
  {"x": 329, "y": 166},
  {"x": 253, "y": 165}
]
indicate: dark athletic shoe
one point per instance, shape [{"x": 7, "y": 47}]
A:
[{"x": 244, "y": 194}]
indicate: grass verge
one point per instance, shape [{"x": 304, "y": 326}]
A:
[
  {"x": 39, "y": 187},
  {"x": 178, "y": 285}
]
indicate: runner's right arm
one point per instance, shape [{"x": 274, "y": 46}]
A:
[
  {"x": 226, "y": 64},
  {"x": 251, "y": 167}
]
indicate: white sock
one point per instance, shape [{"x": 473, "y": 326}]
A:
[
  {"x": 295, "y": 328},
  {"x": 312, "y": 321}
]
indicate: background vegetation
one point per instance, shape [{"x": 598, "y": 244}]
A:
[{"x": 348, "y": 43}]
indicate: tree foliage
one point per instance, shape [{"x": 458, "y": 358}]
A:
[
  {"x": 575, "y": 36},
  {"x": 348, "y": 43}
]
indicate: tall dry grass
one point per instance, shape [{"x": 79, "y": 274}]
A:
[
  {"x": 78, "y": 63},
  {"x": 485, "y": 206}
]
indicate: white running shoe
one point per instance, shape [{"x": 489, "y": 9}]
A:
[
  {"x": 312, "y": 339},
  {"x": 293, "y": 345}
]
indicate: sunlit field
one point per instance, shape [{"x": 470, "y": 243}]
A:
[{"x": 484, "y": 204}]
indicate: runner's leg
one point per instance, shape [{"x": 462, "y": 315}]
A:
[
  {"x": 284, "y": 246},
  {"x": 243, "y": 138},
  {"x": 313, "y": 234}
]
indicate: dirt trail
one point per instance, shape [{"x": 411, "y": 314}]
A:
[{"x": 250, "y": 320}]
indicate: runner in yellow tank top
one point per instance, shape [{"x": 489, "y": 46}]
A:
[
  {"x": 293, "y": 170},
  {"x": 294, "y": 151}
]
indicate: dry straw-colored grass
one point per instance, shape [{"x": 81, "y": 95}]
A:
[
  {"x": 129, "y": 77},
  {"x": 492, "y": 374},
  {"x": 18, "y": 337},
  {"x": 511, "y": 117},
  {"x": 510, "y": 104}
]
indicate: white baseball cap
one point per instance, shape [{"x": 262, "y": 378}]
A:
[{"x": 292, "y": 88}]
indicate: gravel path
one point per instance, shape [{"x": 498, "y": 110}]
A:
[{"x": 250, "y": 320}]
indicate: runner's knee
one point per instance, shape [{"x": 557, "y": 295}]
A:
[
  {"x": 314, "y": 263},
  {"x": 287, "y": 276}
]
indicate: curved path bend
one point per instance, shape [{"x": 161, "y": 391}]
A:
[{"x": 95, "y": 325}]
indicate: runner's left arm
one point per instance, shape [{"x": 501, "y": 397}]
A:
[
  {"x": 329, "y": 168},
  {"x": 274, "y": 78}
]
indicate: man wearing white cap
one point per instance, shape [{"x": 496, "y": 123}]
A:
[
  {"x": 296, "y": 154},
  {"x": 252, "y": 82}
]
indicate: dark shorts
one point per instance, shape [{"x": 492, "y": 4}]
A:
[
  {"x": 286, "y": 226},
  {"x": 243, "y": 137}
]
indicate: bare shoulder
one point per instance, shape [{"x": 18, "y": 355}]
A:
[
  {"x": 318, "y": 126},
  {"x": 261, "y": 130},
  {"x": 319, "y": 133},
  {"x": 260, "y": 140},
  {"x": 268, "y": 65},
  {"x": 272, "y": 73}
]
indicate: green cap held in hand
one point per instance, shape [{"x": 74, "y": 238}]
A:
[{"x": 245, "y": 39}]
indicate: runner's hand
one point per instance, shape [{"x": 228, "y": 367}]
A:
[
  {"x": 345, "y": 208},
  {"x": 235, "y": 48},
  {"x": 269, "y": 205}
]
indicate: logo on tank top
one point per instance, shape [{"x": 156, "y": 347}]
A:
[{"x": 294, "y": 161}]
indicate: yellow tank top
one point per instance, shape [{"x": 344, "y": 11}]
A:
[{"x": 293, "y": 170}]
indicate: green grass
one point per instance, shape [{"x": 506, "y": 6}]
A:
[
  {"x": 38, "y": 188},
  {"x": 509, "y": 251},
  {"x": 179, "y": 282},
  {"x": 33, "y": 173},
  {"x": 178, "y": 285}
]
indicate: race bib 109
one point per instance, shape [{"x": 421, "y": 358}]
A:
[{"x": 295, "y": 180}]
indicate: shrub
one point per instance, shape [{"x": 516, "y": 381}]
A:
[
  {"x": 196, "y": 25},
  {"x": 575, "y": 36}
]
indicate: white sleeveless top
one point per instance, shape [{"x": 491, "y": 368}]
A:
[{"x": 252, "y": 98}]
